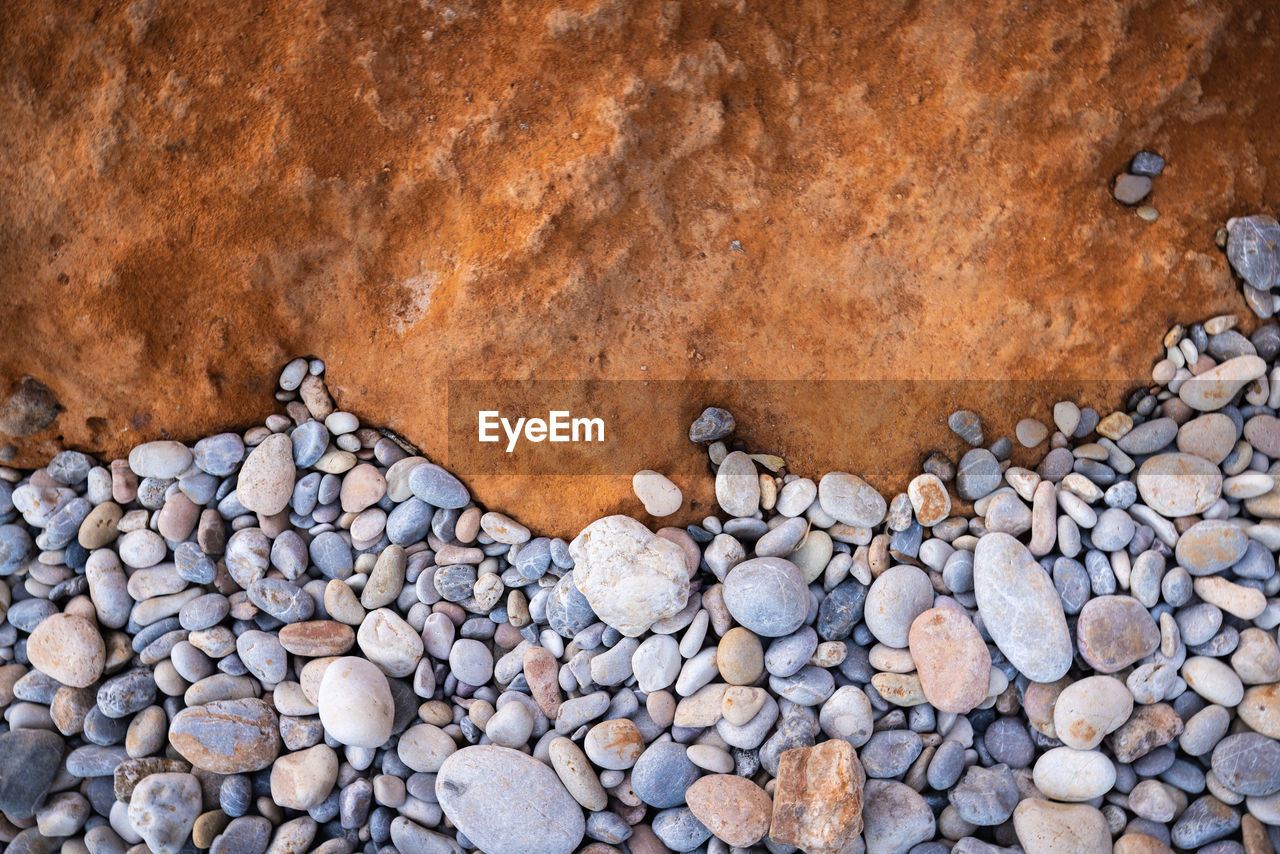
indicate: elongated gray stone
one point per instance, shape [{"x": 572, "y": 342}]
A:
[
  {"x": 506, "y": 802},
  {"x": 1020, "y": 608}
]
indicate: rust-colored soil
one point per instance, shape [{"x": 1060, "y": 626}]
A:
[{"x": 192, "y": 193}]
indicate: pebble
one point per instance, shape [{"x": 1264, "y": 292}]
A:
[
  {"x": 657, "y": 493},
  {"x": 894, "y": 601},
  {"x": 1030, "y": 432},
  {"x": 1044, "y": 827},
  {"x": 712, "y": 425},
  {"x": 953, "y": 663},
  {"x": 630, "y": 577},
  {"x": 929, "y": 499},
  {"x": 68, "y": 648},
  {"x": 1090, "y": 709},
  {"x": 542, "y": 817},
  {"x": 985, "y": 796},
  {"x": 425, "y": 748},
  {"x": 1210, "y": 546},
  {"x": 895, "y": 817},
  {"x": 966, "y": 424},
  {"x": 1114, "y": 632},
  {"x": 1020, "y": 608},
  {"x": 1146, "y": 163},
  {"x": 303, "y": 779},
  {"x": 978, "y": 474},
  {"x": 1131, "y": 189},
  {"x": 227, "y": 736},
  {"x": 355, "y": 703},
  {"x": 734, "y": 809},
  {"x": 163, "y": 809},
  {"x": 265, "y": 484},
  {"x": 437, "y": 487},
  {"x": 738, "y": 485},
  {"x": 739, "y": 657},
  {"x": 29, "y": 761},
  {"x": 614, "y": 744},
  {"x": 1067, "y": 774},
  {"x": 849, "y": 499},
  {"x": 767, "y": 596},
  {"x": 1178, "y": 484}
]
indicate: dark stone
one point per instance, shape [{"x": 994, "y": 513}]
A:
[
  {"x": 714, "y": 423},
  {"x": 29, "y": 760}
]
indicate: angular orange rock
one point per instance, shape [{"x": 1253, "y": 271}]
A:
[{"x": 817, "y": 805}]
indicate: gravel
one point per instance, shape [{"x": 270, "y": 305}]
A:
[{"x": 303, "y": 637}]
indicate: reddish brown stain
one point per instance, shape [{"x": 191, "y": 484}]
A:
[{"x": 423, "y": 191}]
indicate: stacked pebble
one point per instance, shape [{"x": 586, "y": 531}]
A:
[{"x": 307, "y": 637}]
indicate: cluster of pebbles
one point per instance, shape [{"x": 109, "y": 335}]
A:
[
  {"x": 308, "y": 638},
  {"x": 1133, "y": 186}
]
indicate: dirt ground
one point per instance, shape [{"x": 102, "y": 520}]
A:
[{"x": 190, "y": 194}]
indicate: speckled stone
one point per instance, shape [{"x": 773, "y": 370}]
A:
[
  {"x": 734, "y": 809},
  {"x": 538, "y": 814},
  {"x": 227, "y": 736},
  {"x": 630, "y": 577},
  {"x": 163, "y": 809},
  {"x": 951, "y": 659},
  {"x": 1114, "y": 632},
  {"x": 1020, "y": 608},
  {"x": 767, "y": 595}
]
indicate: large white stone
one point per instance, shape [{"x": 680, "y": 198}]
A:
[
  {"x": 355, "y": 702},
  {"x": 631, "y": 577}
]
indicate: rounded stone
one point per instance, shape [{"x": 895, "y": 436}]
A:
[
  {"x": 265, "y": 483},
  {"x": 355, "y": 703},
  {"x": 537, "y": 813},
  {"x": 630, "y": 577},
  {"x": 437, "y": 487},
  {"x": 951, "y": 659},
  {"x": 227, "y": 736},
  {"x": 1067, "y": 774},
  {"x": 68, "y": 648},
  {"x": 163, "y": 460},
  {"x": 659, "y": 495},
  {"x": 163, "y": 809},
  {"x": 895, "y": 599},
  {"x": 662, "y": 774},
  {"x": 425, "y": 747},
  {"x": 1213, "y": 680},
  {"x": 733, "y": 808},
  {"x": 1260, "y": 709},
  {"x": 1044, "y": 827},
  {"x": 1248, "y": 763},
  {"x": 1090, "y": 709},
  {"x": 471, "y": 661},
  {"x": 849, "y": 499},
  {"x": 302, "y": 780},
  {"x": 1211, "y": 546},
  {"x": 929, "y": 499},
  {"x": 1020, "y": 608},
  {"x": 740, "y": 657},
  {"x": 1114, "y": 632},
  {"x": 614, "y": 745},
  {"x": 1179, "y": 484},
  {"x": 895, "y": 817},
  {"x": 738, "y": 485},
  {"x": 767, "y": 595}
]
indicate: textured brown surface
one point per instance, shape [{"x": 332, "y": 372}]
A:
[{"x": 192, "y": 193}]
